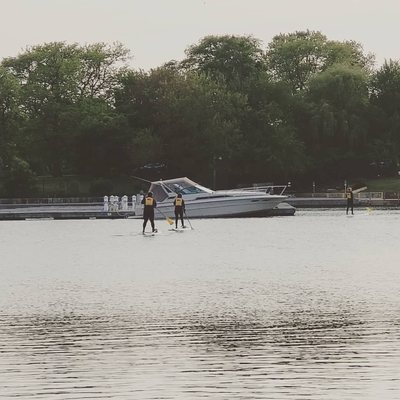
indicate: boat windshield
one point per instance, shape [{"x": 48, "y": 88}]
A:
[
  {"x": 164, "y": 189},
  {"x": 159, "y": 192},
  {"x": 181, "y": 188}
]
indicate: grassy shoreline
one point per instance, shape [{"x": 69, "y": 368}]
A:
[{"x": 383, "y": 184}]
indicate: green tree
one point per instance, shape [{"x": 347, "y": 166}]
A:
[
  {"x": 15, "y": 173},
  {"x": 338, "y": 130},
  {"x": 296, "y": 57},
  {"x": 10, "y": 116},
  {"x": 267, "y": 132},
  {"x": 232, "y": 60},
  {"x": 18, "y": 181},
  {"x": 188, "y": 119},
  {"x": 385, "y": 87},
  {"x": 272, "y": 147},
  {"x": 385, "y": 120},
  {"x": 60, "y": 84}
]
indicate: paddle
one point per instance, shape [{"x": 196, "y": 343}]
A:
[
  {"x": 191, "y": 227},
  {"x": 168, "y": 219}
]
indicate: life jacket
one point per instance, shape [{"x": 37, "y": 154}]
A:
[
  {"x": 178, "y": 202},
  {"x": 149, "y": 201}
]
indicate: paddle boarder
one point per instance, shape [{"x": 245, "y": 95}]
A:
[
  {"x": 179, "y": 204},
  {"x": 148, "y": 212},
  {"x": 350, "y": 200}
]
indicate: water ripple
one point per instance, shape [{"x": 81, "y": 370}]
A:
[{"x": 99, "y": 319}]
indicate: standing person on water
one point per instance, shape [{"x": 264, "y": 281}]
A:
[
  {"x": 179, "y": 204},
  {"x": 148, "y": 212},
  {"x": 350, "y": 199}
]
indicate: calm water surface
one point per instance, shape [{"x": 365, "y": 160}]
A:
[{"x": 303, "y": 307}]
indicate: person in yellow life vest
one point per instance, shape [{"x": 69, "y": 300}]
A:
[
  {"x": 179, "y": 204},
  {"x": 350, "y": 199},
  {"x": 148, "y": 212}
]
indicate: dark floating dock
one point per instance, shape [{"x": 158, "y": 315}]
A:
[{"x": 59, "y": 211}]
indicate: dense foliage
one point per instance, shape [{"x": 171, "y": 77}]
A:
[{"x": 301, "y": 109}]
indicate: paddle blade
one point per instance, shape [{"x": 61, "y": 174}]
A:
[{"x": 170, "y": 220}]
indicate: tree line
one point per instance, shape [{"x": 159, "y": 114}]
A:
[{"x": 301, "y": 108}]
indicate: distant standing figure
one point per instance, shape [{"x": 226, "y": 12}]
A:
[
  {"x": 179, "y": 204},
  {"x": 148, "y": 212},
  {"x": 350, "y": 198}
]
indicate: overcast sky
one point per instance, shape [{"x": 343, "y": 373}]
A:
[{"x": 157, "y": 31}]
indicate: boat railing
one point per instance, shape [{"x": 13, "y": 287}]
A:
[{"x": 268, "y": 189}]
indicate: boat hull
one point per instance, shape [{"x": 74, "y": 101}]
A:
[{"x": 221, "y": 208}]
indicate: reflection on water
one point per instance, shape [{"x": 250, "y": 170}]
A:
[{"x": 280, "y": 308}]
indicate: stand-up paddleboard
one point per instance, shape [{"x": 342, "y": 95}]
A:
[
  {"x": 126, "y": 234},
  {"x": 361, "y": 214},
  {"x": 151, "y": 233},
  {"x": 179, "y": 229}
]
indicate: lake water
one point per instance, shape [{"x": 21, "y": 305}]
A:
[{"x": 303, "y": 307}]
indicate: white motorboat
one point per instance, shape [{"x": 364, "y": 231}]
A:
[{"x": 202, "y": 202}]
